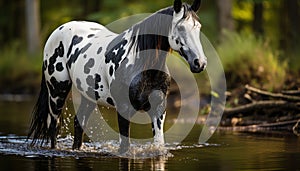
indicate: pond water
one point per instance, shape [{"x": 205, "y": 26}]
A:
[{"x": 225, "y": 150}]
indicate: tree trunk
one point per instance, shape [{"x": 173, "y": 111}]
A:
[
  {"x": 257, "y": 24},
  {"x": 289, "y": 25},
  {"x": 33, "y": 25},
  {"x": 225, "y": 21}
]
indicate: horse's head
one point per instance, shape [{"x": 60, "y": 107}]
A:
[{"x": 184, "y": 35}]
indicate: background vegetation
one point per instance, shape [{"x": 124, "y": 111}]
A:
[{"x": 257, "y": 40}]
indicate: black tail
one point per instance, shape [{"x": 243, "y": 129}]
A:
[{"x": 38, "y": 128}]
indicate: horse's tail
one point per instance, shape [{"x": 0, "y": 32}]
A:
[{"x": 39, "y": 127}]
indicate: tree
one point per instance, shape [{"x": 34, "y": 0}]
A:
[
  {"x": 225, "y": 21},
  {"x": 33, "y": 25},
  {"x": 289, "y": 25},
  {"x": 257, "y": 23}
]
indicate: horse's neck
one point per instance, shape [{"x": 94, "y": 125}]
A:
[
  {"x": 148, "y": 44},
  {"x": 149, "y": 49}
]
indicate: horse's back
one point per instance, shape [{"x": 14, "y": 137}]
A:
[
  {"x": 75, "y": 52},
  {"x": 66, "y": 33}
]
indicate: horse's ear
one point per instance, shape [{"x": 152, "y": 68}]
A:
[
  {"x": 177, "y": 6},
  {"x": 196, "y": 5}
]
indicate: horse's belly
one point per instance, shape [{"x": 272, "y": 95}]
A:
[{"x": 90, "y": 78}]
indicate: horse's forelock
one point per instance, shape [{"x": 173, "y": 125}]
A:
[{"x": 189, "y": 12}]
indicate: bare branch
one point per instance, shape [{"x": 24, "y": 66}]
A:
[
  {"x": 258, "y": 105},
  {"x": 274, "y": 95}
]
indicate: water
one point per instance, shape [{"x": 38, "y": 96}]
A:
[{"x": 226, "y": 150}]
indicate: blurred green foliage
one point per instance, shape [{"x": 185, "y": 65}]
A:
[
  {"x": 250, "y": 60},
  {"x": 20, "y": 72},
  {"x": 260, "y": 60}
]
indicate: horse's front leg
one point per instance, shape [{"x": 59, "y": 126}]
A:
[
  {"x": 124, "y": 126},
  {"x": 157, "y": 113},
  {"x": 158, "y": 129}
]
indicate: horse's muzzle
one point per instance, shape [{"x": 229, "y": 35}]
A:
[{"x": 197, "y": 67}]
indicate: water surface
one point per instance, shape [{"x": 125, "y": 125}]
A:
[{"x": 226, "y": 150}]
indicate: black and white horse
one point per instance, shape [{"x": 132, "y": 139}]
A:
[{"x": 105, "y": 67}]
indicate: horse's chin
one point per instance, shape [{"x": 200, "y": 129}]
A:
[{"x": 196, "y": 70}]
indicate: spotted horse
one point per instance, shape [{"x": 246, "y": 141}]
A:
[{"x": 105, "y": 68}]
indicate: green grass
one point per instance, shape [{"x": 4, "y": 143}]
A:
[
  {"x": 250, "y": 60},
  {"x": 19, "y": 71}
]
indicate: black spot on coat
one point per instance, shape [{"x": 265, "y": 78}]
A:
[
  {"x": 73, "y": 58},
  {"x": 153, "y": 130},
  {"x": 90, "y": 81},
  {"x": 78, "y": 85},
  {"x": 93, "y": 83},
  {"x": 75, "y": 40},
  {"x": 90, "y": 35},
  {"x": 158, "y": 123},
  {"x": 99, "y": 50},
  {"x": 97, "y": 78},
  {"x": 59, "y": 67},
  {"x": 76, "y": 54},
  {"x": 92, "y": 93},
  {"x": 111, "y": 70},
  {"x": 58, "y": 52},
  {"x": 58, "y": 88},
  {"x": 116, "y": 44},
  {"x": 110, "y": 101},
  {"x": 89, "y": 65},
  {"x": 85, "y": 47}
]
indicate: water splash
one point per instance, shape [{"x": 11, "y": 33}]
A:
[{"x": 19, "y": 145}]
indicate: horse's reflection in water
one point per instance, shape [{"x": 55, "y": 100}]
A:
[{"x": 157, "y": 163}]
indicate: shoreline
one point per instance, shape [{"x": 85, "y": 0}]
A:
[{"x": 9, "y": 97}]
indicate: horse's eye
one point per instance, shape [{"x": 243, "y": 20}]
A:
[{"x": 177, "y": 41}]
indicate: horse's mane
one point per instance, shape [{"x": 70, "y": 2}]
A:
[
  {"x": 150, "y": 38},
  {"x": 151, "y": 34}
]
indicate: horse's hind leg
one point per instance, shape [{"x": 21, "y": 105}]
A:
[
  {"x": 124, "y": 133},
  {"x": 58, "y": 91},
  {"x": 85, "y": 109}
]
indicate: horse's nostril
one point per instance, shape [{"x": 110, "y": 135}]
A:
[{"x": 196, "y": 63}]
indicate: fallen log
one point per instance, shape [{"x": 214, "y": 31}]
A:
[
  {"x": 291, "y": 125},
  {"x": 258, "y": 105},
  {"x": 271, "y": 110},
  {"x": 291, "y": 92},
  {"x": 274, "y": 95},
  {"x": 279, "y": 124}
]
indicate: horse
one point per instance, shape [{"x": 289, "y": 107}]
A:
[{"x": 126, "y": 71}]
